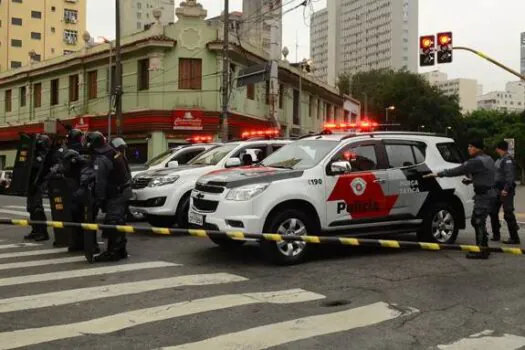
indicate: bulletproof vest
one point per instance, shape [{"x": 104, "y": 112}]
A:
[
  {"x": 119, "y": 175},
  {"x": 500, "y": 164},
  {"x": 485, "y": 178}
]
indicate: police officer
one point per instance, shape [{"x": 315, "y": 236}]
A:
[
  {"x": 74, "y": 140},
  {"x": 481, "y": 172},
  {"x": 112, "y": 193},
  {"x": 506, "y": 187},
  {"x": 35, "y": 205}
]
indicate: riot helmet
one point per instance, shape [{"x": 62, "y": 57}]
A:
[
  {"x": 94, "y": 140},
  {"x": 119, "y": 144},
  {"x": 74, "y": 136},
  {"x": 43, "y": 141}
]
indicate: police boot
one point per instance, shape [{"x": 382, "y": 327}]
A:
[
  {"x": 112, "y": 253},
  {"x": 30, "y": 236},
  {"x": 41, "y": 236}
]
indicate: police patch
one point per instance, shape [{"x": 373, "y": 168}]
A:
[{"x": 358, "y": 186}]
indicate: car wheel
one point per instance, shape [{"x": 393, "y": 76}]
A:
[
  {"x": 440, "y": 225},
  {"x": 182, "y": 211},
  {"x": 161, "y": 221},
  {"x": 288, "y": 222},
  {"x": 227, "y": 242}
]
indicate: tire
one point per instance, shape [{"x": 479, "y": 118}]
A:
[
  {"x": 161, "y": 221},
  {"x": 182, "y": 211},
  {"x": 285, "y": 222},
  {"x": 440, "y": 224},
  {"x": 227, "y": 243}
]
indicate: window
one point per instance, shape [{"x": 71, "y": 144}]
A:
[
  {"x": 281, "y": 96},
  {"x": 66, "y": 52},
  {"x": 267, "y": 92},
  {"x": 16, "y": 64},
  {"x": 36, "y": 14},
  {"x": 16, "y": 21},
  {"x": 403, "y": 155},
  {"x": 54, "y": 92},
  {"x": 190, "y": 73},
  {"x": 186, "y": 156},
  {"x": 296, "y": 116},
  {"x": 23, "y": 91},
  {"x": 450, "y": 153},
  {"x": 143, "y": 74},
  {"x": 18, "y": 1},
  {"x": 70, "y": 16},
  {"x": 52, "y": 29},
  {"x": 303, "y": 154},
  {"x": 37, "y": 58},
  {"x": 70, "y": 37},
  {"x": 73, "y": 88},
  {"x": 16, "y": 43},
  {"x": 311, "y": 106},
  {"x": 36, "y": 36},
  {"x": 362, "y": 158},
  {"x": 250, "y": 92},
  {"x": 53, "y": 8},
  {"x": 7, "y": 99},
  {"x": 37, "y": 95},
  {"x": 92, "y": 85}
]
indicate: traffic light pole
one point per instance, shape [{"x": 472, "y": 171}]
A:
[{"x": 491, "y": 60}]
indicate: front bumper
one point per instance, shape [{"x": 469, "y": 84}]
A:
[{"x": 154, "y": 201}]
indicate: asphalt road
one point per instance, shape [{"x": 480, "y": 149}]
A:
[{"x": 185, "y": 293}]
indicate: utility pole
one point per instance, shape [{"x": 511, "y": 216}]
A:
[
  {"x": 118, "y": 70},
  {"x": 275, "y": 56},
  {"x": 225, "y": 70}
]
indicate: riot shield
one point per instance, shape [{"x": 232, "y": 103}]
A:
[
  {"x": 61, "y": 205},
  {"x": 22, "y": 175}
]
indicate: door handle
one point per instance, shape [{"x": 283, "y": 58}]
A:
[{"x": 379, "y": 181}]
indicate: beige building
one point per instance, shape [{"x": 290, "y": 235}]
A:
[
  {"x": 259, "y": 16},
  {"x": 137, "y": 15},
  {"x": 467, "y": 89},
  {"x": 50, "y": 28},
  {"x": 510, "y": 100}
]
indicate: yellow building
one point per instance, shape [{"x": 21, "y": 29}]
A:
[{"x": 50, "y": 28}]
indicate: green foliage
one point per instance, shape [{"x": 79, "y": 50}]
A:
[{"x": 417, "y": 102}]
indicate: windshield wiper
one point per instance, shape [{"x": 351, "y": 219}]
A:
[{"x": 280, "y": 167}]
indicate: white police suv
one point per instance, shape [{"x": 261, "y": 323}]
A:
[
  {"x": 345, "y": 183},
  {"x": 164, "y": 195}
]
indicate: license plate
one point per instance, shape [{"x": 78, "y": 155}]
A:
[{"x": 195, "y": 219}]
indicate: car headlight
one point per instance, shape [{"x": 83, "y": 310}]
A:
[
  {"x": 165, "y": 180},
  {"x": 247, "y": 192}
]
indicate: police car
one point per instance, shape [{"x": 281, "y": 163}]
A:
[
  {"x": 339, "y": 182},
  {"x": 164, "y": 195}
]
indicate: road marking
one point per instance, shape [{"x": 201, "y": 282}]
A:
[
  {"x": 302, "y": 328},
  {"x": 483, "y": 340},
  {"x": 19, "y": 245},
  {"x": 32, "y": 253},
  {"x": 62, "y": 275},
  {"x": 33, "y": 263},
  {"x": 46, "y": 208},
  {"x": 117, "y": 322},
  {"x": 14, "y": 212},
  {"x": 84, "y": 294}
]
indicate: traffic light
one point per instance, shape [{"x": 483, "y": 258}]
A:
[
  {"x": 444, "y": 43},
  {"x": 427, "y": 54}
]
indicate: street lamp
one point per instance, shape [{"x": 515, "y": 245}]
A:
[
  {"x": 391, "y": 108},
  {"x": 421, "y": 127},
  {"x": 447, "y": 130}
]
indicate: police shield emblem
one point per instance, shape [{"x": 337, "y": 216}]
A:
[{"x": 358, "y": 186}]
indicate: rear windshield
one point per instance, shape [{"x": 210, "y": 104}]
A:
[{"x": 450, "y": 153}]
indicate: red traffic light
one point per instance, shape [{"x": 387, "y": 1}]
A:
[
  {"x": 426, "y": 42},
  {"x": 444, "y": 54},
  {"x": 445, "y": 38}
]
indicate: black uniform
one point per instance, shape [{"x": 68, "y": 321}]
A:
[
  {"x": 112, "y": 193},
  {"x": 482, "y": 171},
  {"x": 35, "y": 206},
  {"x": 505, "y": 181}
]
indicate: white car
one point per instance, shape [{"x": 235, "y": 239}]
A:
[
  {"x": 350, "y": 183},
  {"x": 163, "y": 196}
]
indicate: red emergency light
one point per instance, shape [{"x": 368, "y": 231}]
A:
[
  {"x": 364, "y": 125},
  {"x": 200, "y": 139},
  {"x": 260, "y": 133}
]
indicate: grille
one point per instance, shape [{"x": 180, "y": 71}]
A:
[
  {"x": 140, "y": 183},
  {"x": 209, "y": 188},
  {"x": 205, "y": 205}
]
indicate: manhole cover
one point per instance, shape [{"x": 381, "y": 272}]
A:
[{"x": 335, "y": 303}]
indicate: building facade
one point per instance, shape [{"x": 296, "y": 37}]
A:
[
  {"x": 467, "y": 90},
  {"x": 319, "y": 42},
  {"x": 365, "y": 35},
  {"x": 522, "y": 45},
  {"x": 46, "y": 28},
  {"x": 137, "y": 15},
  {"x": 258, "y": 17},
  {"x": 171, "y": 91},
  {"x": 510, "y": 100}
]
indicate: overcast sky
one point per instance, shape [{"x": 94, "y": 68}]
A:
[{"x": 491, "y": 26}]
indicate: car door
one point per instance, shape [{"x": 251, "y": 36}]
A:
[
  {"x": 360, "y": 195},
  {"x": 406, "y": 163}
]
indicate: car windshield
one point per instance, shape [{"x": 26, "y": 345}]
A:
[
  {"x": 214, "y": 155},
  {"x": 160, "y": 158},
  {"x": 302, "y": 154}
]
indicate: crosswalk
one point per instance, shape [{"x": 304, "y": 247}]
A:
[{"x": 70, "y": 284}]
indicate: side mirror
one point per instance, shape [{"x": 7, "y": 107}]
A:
[
  {"x": 233, "y": 162},
  {"x": 173, "y": 164},
  {"x": 341, "y": 167}
]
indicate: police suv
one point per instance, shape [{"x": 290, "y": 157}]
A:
[
  {"x": 164, "y": 195},
  {"x": 355, "y": 183}
]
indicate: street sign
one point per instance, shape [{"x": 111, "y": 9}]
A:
[{"x": 511, "y": 146}]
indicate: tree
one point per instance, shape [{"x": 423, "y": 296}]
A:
[{"x": 416, "y": 102}]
